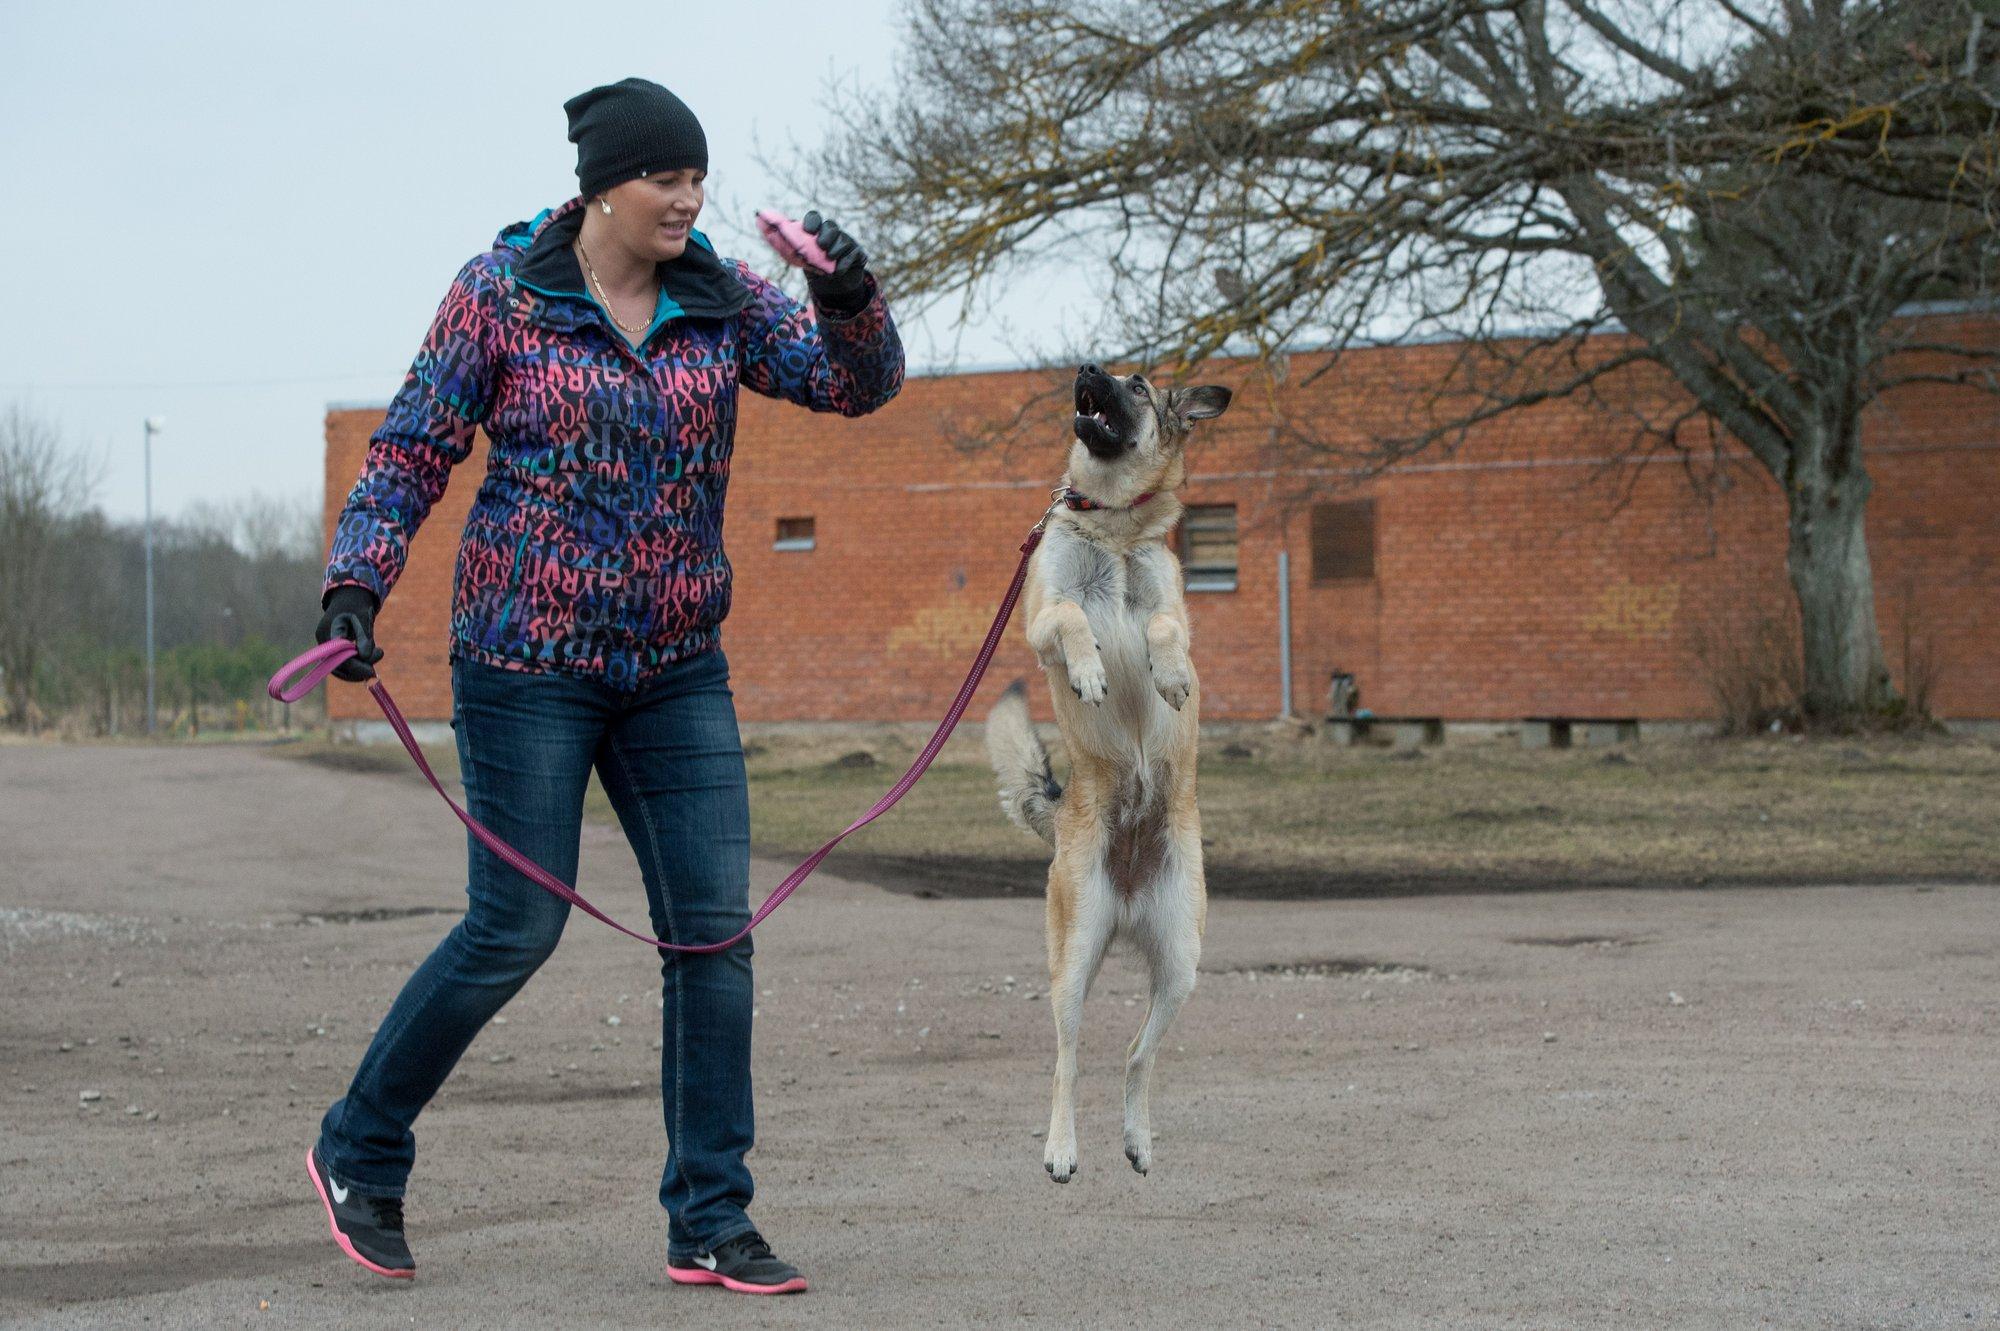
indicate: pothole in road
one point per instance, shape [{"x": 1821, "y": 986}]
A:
[
  {"x": 1579, "y": 940},
  {"x": 1328, "y": 968},
  {"x": 376, "y": 914}
]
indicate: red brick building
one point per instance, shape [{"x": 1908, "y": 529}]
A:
[{"x": 1515, "y": 576}]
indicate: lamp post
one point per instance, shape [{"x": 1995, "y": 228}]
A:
[
  {"x": 154, "y": 424},
  {"x": 1284, "y": 634}
]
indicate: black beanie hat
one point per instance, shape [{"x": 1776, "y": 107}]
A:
[{"x": 632, "y": 128}]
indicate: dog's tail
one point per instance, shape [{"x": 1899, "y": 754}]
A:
[{"x": 1028, "y": 789}]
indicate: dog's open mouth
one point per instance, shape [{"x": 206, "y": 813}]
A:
[
  {"x": 1088, "y": 408},
  {"x": 1098, "y": 416}
]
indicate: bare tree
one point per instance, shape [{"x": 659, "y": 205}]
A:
[
  {"x": 1750, "y": 194},
  {"x": 254, "y": 564},
  {"x": 43, "y": 487},
  {"x": 261, "y": 526}
]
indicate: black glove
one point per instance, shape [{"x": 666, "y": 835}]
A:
[
  {"x": 844, "y": 291},
  {"x": 350, "y": 614}
]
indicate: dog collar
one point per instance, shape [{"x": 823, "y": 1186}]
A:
[{"x": 1079, "y": 502}]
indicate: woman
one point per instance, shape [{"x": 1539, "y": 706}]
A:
[{"x": 601, "y": 347}]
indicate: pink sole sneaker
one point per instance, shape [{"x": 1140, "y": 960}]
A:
[
  {"x": 696, "y": 1276},
  {"x": 341, "y": 1238}
]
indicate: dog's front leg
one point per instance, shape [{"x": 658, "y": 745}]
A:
[
  {"x": 1167, "y": 649},
  {"x": 1155, "y": 592},
  {"x": 1062, "y": 633}
]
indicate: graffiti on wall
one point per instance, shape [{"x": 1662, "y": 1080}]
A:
[
  {"x": 950, "y": 629},
  {"x": 1634, "y": 609}
]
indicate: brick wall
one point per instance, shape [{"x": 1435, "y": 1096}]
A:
[{"x": 1516, "y": 575}]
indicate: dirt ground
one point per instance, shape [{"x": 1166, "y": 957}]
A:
[{"x": 1648, "y": 1108}]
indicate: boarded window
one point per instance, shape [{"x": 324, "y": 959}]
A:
[
  {"x": 1208, "y": 547},
  {"x": 794, "y": 534},
  {"x": 1343, "y": 540}
]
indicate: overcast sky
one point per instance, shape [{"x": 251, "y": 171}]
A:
[{"x": 233, "y": 214}]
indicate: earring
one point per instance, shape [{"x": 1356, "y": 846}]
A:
[{"x": 605, "y": 204}]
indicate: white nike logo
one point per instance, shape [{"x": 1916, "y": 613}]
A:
[
  {"x": 339, "y": 1193},
  {"x": 702, "y": 1259}
]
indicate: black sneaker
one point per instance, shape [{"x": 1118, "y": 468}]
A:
[
  {"x": 744, "y": 1264},
  {"x": 368, "y": 1229}
]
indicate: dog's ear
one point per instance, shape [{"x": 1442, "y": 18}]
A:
[{"x": 1199, "y": 404}]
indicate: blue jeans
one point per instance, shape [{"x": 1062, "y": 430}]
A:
[{"x": 670, "y": 757}]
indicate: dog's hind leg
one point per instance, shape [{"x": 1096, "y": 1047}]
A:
[
  {"x": 1170, "y": 940},
  {"x": 1078, "y": 937}
]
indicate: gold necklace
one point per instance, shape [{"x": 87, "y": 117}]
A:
[{"x": 602, "y": 298}]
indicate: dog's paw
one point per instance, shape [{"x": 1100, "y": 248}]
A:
[
  {"x": 1139, "y": 1152},
  {"x": 1059, "y": 1159},
  {"x": 1087, "y": 680},
  {"x": 1173, "y": 684}
]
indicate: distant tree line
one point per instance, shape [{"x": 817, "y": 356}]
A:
[{"x": 236, "y": 593}]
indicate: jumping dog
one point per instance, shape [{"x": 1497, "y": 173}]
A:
[{"x": 1106, "y": 619}]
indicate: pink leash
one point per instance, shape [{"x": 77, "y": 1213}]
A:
[{"x": 326, "y": 657}]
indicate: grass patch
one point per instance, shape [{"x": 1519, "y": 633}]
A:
[
  {"x": 1303, "y": 820},
  {"x": 1295, "y": 818}
]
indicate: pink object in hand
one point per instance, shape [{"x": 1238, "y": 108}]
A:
[{"x": 794, "y": 244}]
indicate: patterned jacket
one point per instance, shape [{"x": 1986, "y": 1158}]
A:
[{"x": 594, "y": 545}]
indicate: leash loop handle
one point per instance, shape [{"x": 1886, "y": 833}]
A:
[{"x": 324, "y": 659}]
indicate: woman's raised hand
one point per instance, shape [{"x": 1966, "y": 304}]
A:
[{"x": 844, "y": 289}]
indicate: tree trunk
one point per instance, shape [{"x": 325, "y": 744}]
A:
[
  {"x": 21, "y": 688},
  {"x": 1846, "y": 676}
]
